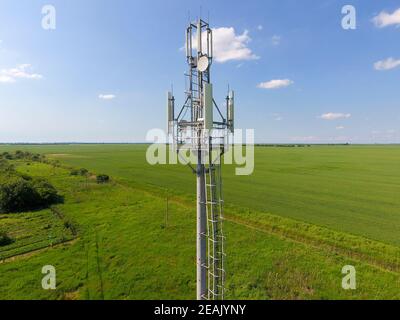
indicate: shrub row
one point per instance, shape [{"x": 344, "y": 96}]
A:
[{"x": 18, "y": 155}]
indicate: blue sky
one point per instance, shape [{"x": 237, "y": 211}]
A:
[{"x": 102, "y": 74}]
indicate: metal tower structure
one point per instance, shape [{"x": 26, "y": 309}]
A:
[{"x": 202, "y": 129}]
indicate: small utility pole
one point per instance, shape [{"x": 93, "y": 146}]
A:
[{"x": 166, "y": 212}]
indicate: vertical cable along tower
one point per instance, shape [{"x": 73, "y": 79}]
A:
[{"x": 201, "y": 129}]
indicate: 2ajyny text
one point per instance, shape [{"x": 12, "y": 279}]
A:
[{"x": 214, "y": 310}]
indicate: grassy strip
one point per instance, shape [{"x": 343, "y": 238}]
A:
[
  {"x": 378, "y": 254},
  {"x": 372, "y": 252}
]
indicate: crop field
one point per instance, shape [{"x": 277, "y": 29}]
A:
[
  {"x": 291, "y": 226},
  {"x": 32, "y": 231}
]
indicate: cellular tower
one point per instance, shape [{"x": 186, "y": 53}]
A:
[{"x": 202, "y": 129}]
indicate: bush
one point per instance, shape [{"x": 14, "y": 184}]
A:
[
  {"x": 81, "y": 172},
  {"x": 35, "y": 157},
  {"x": 5, "y": 167},
  {"x": 18, "y": 194},
  {"x": 23, "y": 176},
  {"x": 102, "y": 178},
  {"x": 5, "y": 240},
  {"x": 46, "y": 193},
  {"x": 19, "y": 154},
  {"x": 74, "y": 172},
  {"x": 6, "y": 155}
]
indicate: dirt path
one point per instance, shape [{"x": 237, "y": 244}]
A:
[{"x": 36, "y": 251}]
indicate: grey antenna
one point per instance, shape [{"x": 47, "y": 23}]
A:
[{"x": 200, "y": 127}]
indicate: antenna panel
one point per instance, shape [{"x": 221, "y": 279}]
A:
[
  {"x": 208, "y": 106},
  {"x": 231, "y": 111},
  {"x": 170, "y": 111}
]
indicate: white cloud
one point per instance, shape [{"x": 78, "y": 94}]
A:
[
  {"x": 277, "y": 116},
  {"x": 275, "y": 84},
  {"x": 260, "y": 27},
  {"x": 387, "y": 64},
  {"x": 339, "y": 128},
  {"x": 107, "y": 96},
  {"x": 20, "y": 72},
  {"x": 335, "y": 116},
  {"x": 229, "y": 46},
  {"x": 385, "y": 19},
  {"x": 6, "y": 79},
  {"x": 276, "y": 40}
]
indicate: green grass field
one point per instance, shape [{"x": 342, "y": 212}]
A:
[
  {"x": 353, "y": 189},
  {"x": 291, "y": 226}
]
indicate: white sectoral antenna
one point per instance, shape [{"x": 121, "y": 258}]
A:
[{"x": 201, "y": 127}]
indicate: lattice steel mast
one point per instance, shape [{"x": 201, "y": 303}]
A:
[{"x": 196, "y": 129}]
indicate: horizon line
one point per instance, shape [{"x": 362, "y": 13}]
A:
[{"x": 148, "y": 143}]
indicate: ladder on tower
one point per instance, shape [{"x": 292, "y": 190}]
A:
[{"x": 215, "y": 235}]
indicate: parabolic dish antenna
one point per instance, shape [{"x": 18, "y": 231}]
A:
[{"x": 202, "y": 64}]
